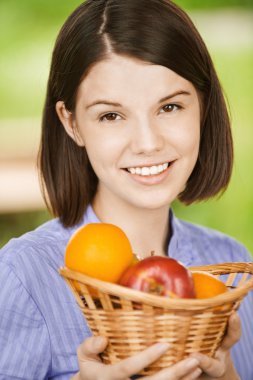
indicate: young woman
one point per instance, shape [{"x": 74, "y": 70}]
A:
[{"x": 134, "y": 118}]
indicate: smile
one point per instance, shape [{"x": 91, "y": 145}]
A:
[{"x": 149, "y": 170}]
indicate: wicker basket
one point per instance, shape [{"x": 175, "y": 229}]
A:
[{"x": 133, "y": 320}]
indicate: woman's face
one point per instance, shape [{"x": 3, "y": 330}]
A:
[{"x": 140, "y": 126}]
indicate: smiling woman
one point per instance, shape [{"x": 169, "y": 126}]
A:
[
  {"x": 134, "y": 119},
  {"x": 156, "y": 43}
]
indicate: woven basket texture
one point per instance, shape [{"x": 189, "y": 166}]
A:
[{"x": 133, "y": 320}]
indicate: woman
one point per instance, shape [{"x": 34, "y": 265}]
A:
[{"x": 134, "y": 118}]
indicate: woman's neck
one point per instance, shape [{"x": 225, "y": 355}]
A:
[{"x": 147, "y": 230}]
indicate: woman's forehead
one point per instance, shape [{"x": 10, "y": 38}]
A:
[{"x": 121, "y": 75}]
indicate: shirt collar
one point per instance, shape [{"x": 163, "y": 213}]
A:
[
  {"x": 90, "y": 216},
  {"x": 180, "y": 245}
]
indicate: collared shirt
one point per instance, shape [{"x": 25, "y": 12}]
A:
[{"x": 41, "y": 325}]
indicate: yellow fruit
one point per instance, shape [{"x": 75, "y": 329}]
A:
[
  {"x": 99, "y": 250},
  {"x": 206, "y": 285}
]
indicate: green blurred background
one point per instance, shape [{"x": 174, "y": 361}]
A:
[{"x": 28, "y": 29}]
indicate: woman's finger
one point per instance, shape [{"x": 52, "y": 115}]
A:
[
  {"x": 88, "y": 352},
  {"x": 91, "y": 348},
  {"x": 92, "y": 368},
  {"x": 193, "y": 375},
  {"x": 233, "y": 332},
  {"x": 211, "y": 366},
  {"x": 186, "y": 369},
  {"x": 134, "y": 364}
]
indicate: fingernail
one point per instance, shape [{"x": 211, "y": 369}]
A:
[
  {"x": 198, "y": 372},
  {"x": 233, "y": 317},
  {"x": 195, "y": 374},
  {"x": 98, "y": 341},
  {"x": 162, "y": 347},
  {"x": 192, "y": 362}
]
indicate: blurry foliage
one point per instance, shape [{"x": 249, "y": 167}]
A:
[
  {"x": 14, "y": 225},
  {"x": 28, "y": 29},
  {"x": 213, "y": 4}
]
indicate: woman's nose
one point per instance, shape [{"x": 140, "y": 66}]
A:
[{"x": 146, "y": 138}]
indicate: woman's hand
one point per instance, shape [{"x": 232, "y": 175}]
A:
[
  {"x": 91, "y": 367},
  {"x": 221, "y": 366},
  {"x": 198, "y": 366}
]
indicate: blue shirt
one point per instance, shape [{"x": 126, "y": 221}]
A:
[{"x": 40, "y": 322}]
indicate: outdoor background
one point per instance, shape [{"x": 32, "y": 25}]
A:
[{"x": 28, "y": 29}]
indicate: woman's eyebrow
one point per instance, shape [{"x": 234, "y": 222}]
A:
[
  {"x": 176, "y": 93},
  {"x": 114, "y": 104},
  {"x": 104, "y": 102}
]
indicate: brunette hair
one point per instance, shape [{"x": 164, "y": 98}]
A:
[{"x": 155, "y": 31}]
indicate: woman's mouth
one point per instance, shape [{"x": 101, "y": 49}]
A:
[{"x": 149, "y": 170}]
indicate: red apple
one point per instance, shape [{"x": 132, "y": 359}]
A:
[{"x": 160, "y": 275}]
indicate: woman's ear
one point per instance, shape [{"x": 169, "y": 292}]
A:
[{"x": 68, "y": 122}]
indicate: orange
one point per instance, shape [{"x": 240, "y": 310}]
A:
[
  {"x": 99, "y": 250},
  {"x": 206, "y": 285}
]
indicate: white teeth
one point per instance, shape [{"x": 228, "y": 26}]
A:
[
  {"x": 160, "y": 168},
  {"x": 145, "y": 171},
  {"x": 153, "y": 170}
]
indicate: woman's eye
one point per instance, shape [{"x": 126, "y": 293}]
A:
[
  {"x": 170, "y": 107},
  {"x": 111, "y": 116}
]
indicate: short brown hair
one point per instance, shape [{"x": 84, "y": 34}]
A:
[{"x": 156, "y": 31}]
